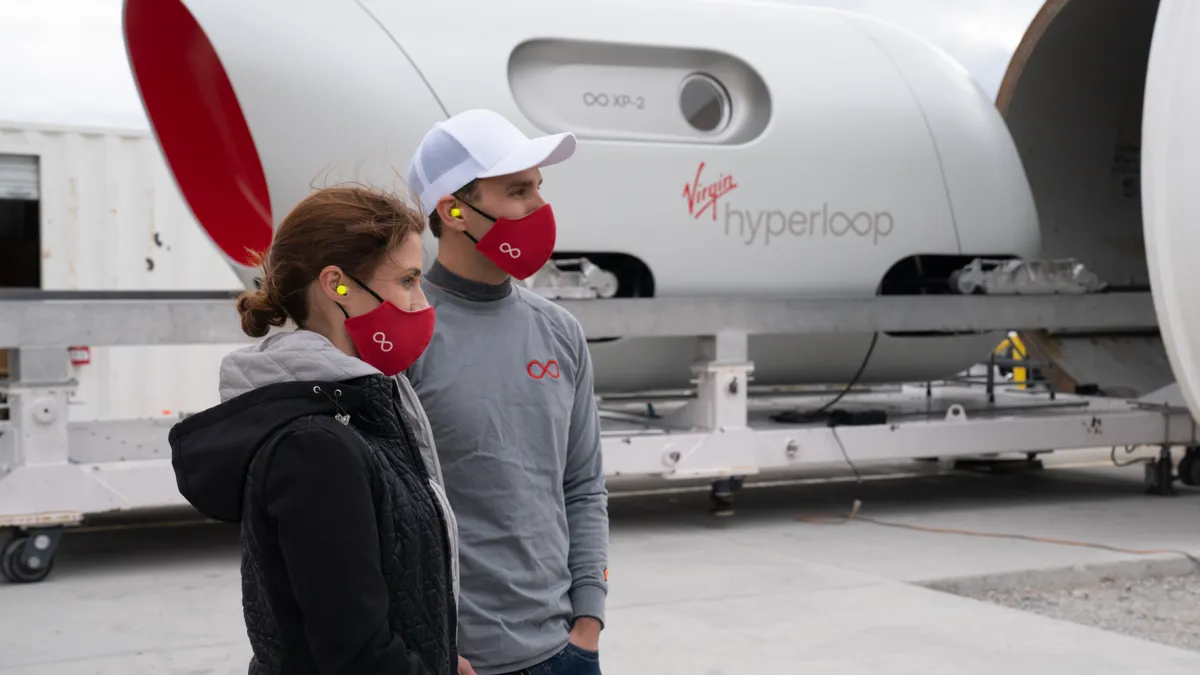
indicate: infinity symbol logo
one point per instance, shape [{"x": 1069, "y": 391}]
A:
[
  {"x": 511, "y": 250},
  {"x": 380, "y": 339},
  {"x": 542, "y": 369}
]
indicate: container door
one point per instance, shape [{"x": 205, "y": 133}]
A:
[{"x": 20, "y": 241}]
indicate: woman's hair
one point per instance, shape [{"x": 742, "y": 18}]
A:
[{"x": 352, "y": 227}]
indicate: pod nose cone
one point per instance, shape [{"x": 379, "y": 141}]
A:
[{"x": 200, "y": 126}]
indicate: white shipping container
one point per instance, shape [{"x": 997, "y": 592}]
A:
[{"x": 112, "y": 218}]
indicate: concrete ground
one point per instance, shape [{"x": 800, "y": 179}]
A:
[{"x": 773, "y": 589}]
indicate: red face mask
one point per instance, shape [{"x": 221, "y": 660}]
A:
[
  {"x": 519, "y": 246},
  {"x": 387, "y": 337}
]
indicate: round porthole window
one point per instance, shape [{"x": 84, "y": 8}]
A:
[{"x": 704, "y": 103}]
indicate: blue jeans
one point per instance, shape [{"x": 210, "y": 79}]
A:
[{"x": 571, "y": 660}]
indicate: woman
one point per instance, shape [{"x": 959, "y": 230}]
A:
[{"x": 319, "y": 449}]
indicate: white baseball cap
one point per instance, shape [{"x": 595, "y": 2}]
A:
[{"x": 478, "y": 144}]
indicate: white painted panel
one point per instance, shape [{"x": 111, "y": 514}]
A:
[{"x": 113, "y": 219}]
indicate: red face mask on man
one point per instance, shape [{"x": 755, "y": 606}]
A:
[
  {"x": 519, "y": 246},
  {"x": 387, "y": 337}
]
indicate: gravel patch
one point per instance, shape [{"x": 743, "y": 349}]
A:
[{"x": 1161, "y": 608}]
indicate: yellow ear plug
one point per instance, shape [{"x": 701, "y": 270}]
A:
[
  {"x": 456, "y": 212},
  {"x": 341, "y": 289}
]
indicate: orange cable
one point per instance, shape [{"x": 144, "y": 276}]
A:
[{"x": 842, "y": 520}]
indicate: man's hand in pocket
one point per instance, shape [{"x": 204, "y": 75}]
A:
[
  {"x": 586, "y": 633},
  {"x": 464, "y": 667}
]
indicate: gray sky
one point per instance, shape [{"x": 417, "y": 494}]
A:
[{"x": 63, "y": 61}]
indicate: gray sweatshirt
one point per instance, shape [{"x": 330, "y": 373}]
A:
[{"x": 507, "y": 386}]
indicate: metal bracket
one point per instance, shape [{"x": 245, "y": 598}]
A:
[
  {"x": 40, "y": 547},
  {"x": 37, "y": 399},
  {"x": 722, "y": 369},
  {"x": 723, "y": 372},
  {"x": 957, "y": 413}
]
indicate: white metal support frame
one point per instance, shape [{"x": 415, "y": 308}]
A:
[
  {"x": 54, "y": 472},
  {"x": 722, "y": 434},
  {"x": 935, "y": 426}
]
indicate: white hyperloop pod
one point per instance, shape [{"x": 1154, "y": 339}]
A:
[
  {"x": 1102, "y": 100},
  {"x": 726, "y": 148},
  {"x": 1170, "y": 180}
]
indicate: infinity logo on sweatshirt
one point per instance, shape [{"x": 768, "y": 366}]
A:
[{"x": 538, "y": 370}]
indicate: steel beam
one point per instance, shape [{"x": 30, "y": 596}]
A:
[
  {"x": 118, "y": 320},
  {"x": 667, "y": 317}
]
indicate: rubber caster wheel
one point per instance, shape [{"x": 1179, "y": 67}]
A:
[
  {"x": 1160, "y": 476},
  {"x": 16, "y": 570},
  {"x": 1189, "y": 468},
  {"x": 721, "y": 496},
  {"x": 721, "y": 507}
]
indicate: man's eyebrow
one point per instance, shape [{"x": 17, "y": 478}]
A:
[{"x": 522, "y": 182}]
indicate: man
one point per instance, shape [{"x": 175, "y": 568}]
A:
[{"x": 507, "y": 385}]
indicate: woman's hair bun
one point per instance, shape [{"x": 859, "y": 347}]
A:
[{"x": 259, "y": 313}]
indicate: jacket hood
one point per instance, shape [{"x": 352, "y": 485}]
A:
[
  {"x": 298, "y": 356},
  {"x": 263, "y": 387}
]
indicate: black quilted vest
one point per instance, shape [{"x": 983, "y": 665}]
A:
[{"x": 412, "y": 538}]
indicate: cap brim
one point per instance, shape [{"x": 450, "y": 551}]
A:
[{"x": 538, "y": 152}]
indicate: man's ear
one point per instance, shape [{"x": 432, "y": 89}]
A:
[{"x": 450, "y": 210}]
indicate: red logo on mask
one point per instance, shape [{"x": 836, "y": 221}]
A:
[
  {"x": 701, "y": 198},
  {"x": 538, "y": 370}
]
